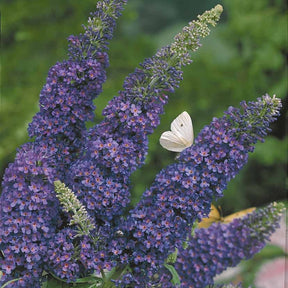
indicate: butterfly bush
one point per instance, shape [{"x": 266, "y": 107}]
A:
[
  {"x": 65, "y": 198},
  {"x": 183, "y": 191}
]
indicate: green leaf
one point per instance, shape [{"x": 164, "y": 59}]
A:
[
  {"x": 90, "y": 280},
  {"x": 175, "y": 277},
  {"x": 53, "y": 283},
  {"x": 86, "y": 282}
]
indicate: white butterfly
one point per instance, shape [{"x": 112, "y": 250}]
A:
[{"x": 181, "y": 135}]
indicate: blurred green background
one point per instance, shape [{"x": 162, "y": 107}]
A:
[{"x": 243, "y": 58}]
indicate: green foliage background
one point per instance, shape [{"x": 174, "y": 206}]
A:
[{"x": 242, "y": 59}]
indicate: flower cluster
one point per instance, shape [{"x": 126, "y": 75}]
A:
[
  {"x": 66, "y": 100},
  {"x": 29, "y": 209},
  {"x": 79, "y": 228},
  {"x": 118, "y": 145},
  {"x": 189, "y": 37},
  {"x": 211, "y": 251},
  {"x": 72, "y": 205},
  {"x": 183, "y": 192},
  {"x": 29, "y": 213}
]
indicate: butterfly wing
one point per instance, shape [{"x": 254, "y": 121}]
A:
[
  {"x": 181, "y": 135},
  {"x": 171, "y": 142},
  {"x": 239, "y": 214},
  {"x": 182, "y": 127},
  {"x": 214, "y": 216}
]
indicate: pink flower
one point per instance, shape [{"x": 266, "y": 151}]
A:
[{"x": 272, "y": 274}]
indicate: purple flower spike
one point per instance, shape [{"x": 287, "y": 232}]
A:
[
  {"x": 213, "y": 250},
  {"x": 66, "y": 100},
  {"x": 29, "y": 213},
  {"x": 29, "y": 210},
  {"x": 183, "y": 192}
]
